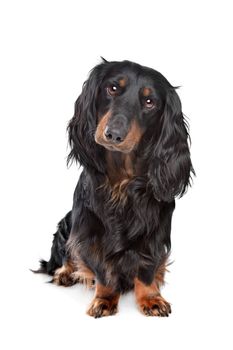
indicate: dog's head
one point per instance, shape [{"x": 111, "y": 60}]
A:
[
  {"x": 125, "y": 107},
  {"x": 130, "y": 99}
]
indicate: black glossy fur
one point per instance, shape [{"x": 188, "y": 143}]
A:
[{"x": 120, "y": 222}]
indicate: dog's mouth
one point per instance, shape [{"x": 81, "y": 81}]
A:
[
  {"x": 125, "y": 145},
  {"x": 111, "y": 147}
]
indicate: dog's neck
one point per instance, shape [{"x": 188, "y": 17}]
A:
[{"x": 121, "y": 167}]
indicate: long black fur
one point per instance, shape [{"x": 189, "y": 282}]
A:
[
  {"x": 58, "y": 250},
  {"x": 120, "y": 240}
]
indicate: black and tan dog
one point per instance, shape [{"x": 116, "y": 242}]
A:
[{"x": 129, "y": 134}]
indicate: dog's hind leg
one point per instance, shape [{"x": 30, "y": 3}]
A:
[{"x": 74, "y": 272}]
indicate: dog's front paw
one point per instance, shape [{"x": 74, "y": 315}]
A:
[
  {"x": 102, "y": 307},
  {"x": 156, "y": 306}
]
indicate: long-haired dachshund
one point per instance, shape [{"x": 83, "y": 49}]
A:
[{"x": 129, "y": 134}]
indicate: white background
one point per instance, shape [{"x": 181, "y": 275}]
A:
[{"x": 47, "y": 50}]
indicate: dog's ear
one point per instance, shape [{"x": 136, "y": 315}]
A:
[
  {"x": 82, "y": 126},
  {"x": 170, "y": 164}
]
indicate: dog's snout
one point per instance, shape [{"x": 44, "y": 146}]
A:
[
  {"x": 116, "y": 129},
  {"x": 114, "y": 135}
]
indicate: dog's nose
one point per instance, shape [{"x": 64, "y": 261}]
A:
[
  {"x": 116, "y": 128},
  {"x": 114, "y": 135}
]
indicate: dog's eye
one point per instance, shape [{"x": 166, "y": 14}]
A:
[
  {"x": 112, "y": 90},
  {"x": 149, "y": 103}
]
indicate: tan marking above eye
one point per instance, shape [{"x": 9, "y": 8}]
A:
[
  {"x": 146, "y": 92},
  {"x": 122, "y": 82}
]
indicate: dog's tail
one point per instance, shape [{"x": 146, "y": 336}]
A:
[
  {"x": 58, "y": 250},
  {"x": 43, "y": 267}
]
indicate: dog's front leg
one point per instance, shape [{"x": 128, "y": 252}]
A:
[{"x": 104, "y": 303}]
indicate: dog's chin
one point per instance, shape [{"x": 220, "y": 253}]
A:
[{"x": 114, "y": 148}]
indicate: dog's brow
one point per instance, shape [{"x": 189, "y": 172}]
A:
[
  {"x": 122, "y": 82},
  {"x": 146, "y": 91}
]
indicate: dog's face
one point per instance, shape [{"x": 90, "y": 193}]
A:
[
  {"x": 126, "y": 107},
  {"x": 130, "y": 100}
]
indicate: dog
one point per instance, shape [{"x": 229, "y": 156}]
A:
[{"x": 130, "y": 136}]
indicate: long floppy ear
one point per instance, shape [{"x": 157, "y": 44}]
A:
[
  {"x": 82, "y": 126},
  {"x": 170, "y": 165}
]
